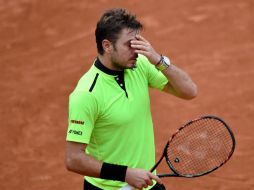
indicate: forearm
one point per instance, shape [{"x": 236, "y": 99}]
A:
[
  {"x": 84, "y": 164},
  {"x": 79, "y": 162},
  {"x": 180, "y": 84}
]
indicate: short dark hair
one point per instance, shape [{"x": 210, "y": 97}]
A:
[{"x": 111, "y": 24}]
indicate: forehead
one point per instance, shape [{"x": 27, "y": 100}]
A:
[{"x": 127, "y": 34}]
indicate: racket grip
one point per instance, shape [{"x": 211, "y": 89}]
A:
[{"x": 127, "y": 187}]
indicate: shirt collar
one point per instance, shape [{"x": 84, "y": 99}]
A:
[{"x": 106, "y": 70}]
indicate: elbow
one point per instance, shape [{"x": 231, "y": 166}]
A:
[
  {"x": 69, "y": 163},
  {"x": 191, "y": 94},
  {"x": 194, "y": 92}
]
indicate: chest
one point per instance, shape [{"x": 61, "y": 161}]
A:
[{"x": 121, "y": 106}]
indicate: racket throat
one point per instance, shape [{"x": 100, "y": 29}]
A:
[{"x": 162, "y": 156}]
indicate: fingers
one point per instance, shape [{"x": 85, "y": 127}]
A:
[
  {"x": 149, "y": 181},
  {"x": 137, "y": 43},
  {"x": 140, "y": 41},
  {"x": 139, "y": 37},
  {"x": 140, "y": 178},
  {"x": 141, "y": 47},
  {"x": 136, "y": 46},
  {"x": 155, "y": 177},
  {"x": 145, "y": 53}
]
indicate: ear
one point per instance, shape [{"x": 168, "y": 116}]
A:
[{"x": 107, "y": 46}]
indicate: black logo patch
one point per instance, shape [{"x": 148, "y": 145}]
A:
[
  {"x": 77, "y": 122},
  {"x": 75, "y": 132}
]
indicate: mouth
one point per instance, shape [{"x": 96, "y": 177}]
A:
[{"x": 132, "y": 62}]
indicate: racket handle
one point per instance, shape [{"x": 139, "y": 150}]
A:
[{"x": 127, "y": 187}]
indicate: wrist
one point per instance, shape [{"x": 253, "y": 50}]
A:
[
  {"x": 163, "y": 64},
  {"x": 113, "y": 172},
  {"x": 160, "y": 59}
]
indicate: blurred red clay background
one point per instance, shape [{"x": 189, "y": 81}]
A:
[{"x": 46, "y": 46}]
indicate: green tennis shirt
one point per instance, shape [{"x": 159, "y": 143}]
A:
[{"x": 110, "y": 111}]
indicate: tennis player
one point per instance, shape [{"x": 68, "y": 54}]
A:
[{"x": 110, "y": 137}]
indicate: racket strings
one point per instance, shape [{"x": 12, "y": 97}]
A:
[{"x": 199, "y": 147}]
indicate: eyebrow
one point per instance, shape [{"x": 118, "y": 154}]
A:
[{"x": 128, "y": 41}]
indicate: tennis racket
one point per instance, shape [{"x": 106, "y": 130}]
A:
[{"x": 197, "y": 148}]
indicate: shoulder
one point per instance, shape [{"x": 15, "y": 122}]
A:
[
  {"x": 87, "y": 81},
  {"x": 85, "y": 88},
  {"x": 144, "y": 65},
  {"x": 142, "y": 60}
]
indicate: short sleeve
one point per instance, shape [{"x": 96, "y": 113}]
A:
[
  {"x": 156, "y": 79},
  {"x": 83, "y": 111}
]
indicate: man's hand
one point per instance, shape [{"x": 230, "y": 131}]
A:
[
  {"x": 140, "y": 178},
  {"x": 180, "y": 83},
  {"x": 142, "y": 46}
]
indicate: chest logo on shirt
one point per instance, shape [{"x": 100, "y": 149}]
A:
[{"x": 78, "y": 122}]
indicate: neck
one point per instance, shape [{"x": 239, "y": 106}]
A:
[{"x": 106, "y": 61}]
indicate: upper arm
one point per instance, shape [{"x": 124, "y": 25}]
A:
[
  {"x": 79, "y": 162},
  {"x": 83, "y": 111},
  {"x": 73, "y": 149}
]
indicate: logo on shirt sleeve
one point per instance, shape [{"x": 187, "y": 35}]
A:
[
  {"x": 77, "y": 122},
  {"x": 75, "y": 132}
]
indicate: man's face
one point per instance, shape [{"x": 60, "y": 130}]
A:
[{"x": 123, "y": 56}]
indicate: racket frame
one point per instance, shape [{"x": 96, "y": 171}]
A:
[{"x": 175, "y": 172}]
